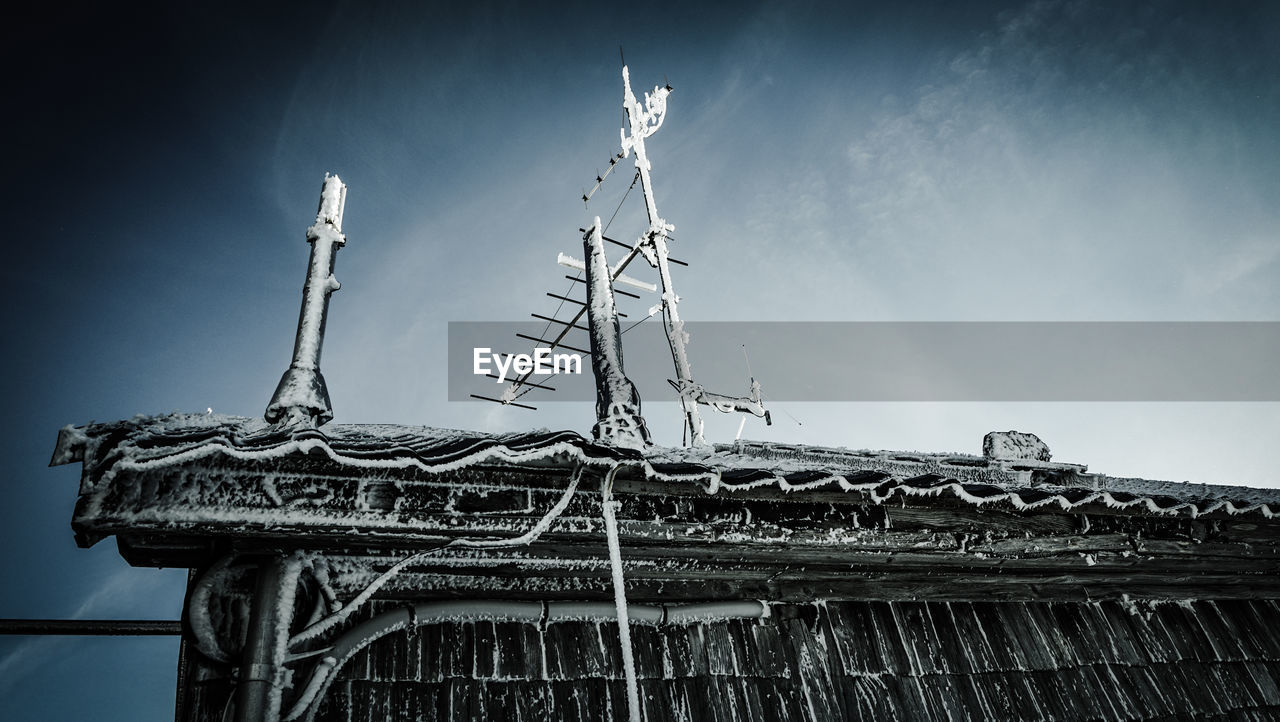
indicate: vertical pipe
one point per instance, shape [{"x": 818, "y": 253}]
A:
[
  {"x": 258, "y": 692},
  {"x": 618, "y": 419},
  {"x": 301, "y": 393},
  {"x": 620, "y": 595}
]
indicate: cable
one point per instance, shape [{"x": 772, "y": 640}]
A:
[
  {"x": 528, "y": 537},
  {"x": 624, "y": 200},
  {"x": 788, "y": 413},
  {"x": 637, "y": 323}
]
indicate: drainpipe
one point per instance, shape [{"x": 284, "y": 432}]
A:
[{"x": 258, "y": 692}]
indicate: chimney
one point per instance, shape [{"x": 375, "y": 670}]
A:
[{"x": 301, "y": 395}]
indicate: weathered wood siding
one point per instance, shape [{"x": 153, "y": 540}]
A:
[{"x": 840, "y": 660}]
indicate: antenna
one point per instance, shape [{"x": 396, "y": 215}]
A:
[
  {"x": 613, "y": 161},
  {"x": 617, "y": 408},
  {"x": 645, "y": 120}
]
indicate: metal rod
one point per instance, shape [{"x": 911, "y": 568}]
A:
[
  {"x": 259, "y": 670},
  {"x": 556, "y": 320},
  {"x": 526, "y": 383},
  {"x": 580, "y": 303},
  {"x": 566, "y": 298},
  {"x": 554, "y": 344},
  {"x": 615, "y": 289},
  {"x": 628, "y": 245},
  {"x": 504, "y": 403},
  {"x": 92, "y": 627}
]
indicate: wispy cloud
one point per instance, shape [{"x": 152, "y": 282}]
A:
[{"x": 119, "y": 595}]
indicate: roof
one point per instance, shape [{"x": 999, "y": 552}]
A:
[
  {"x": 901, "y": 585},
  {"x": 148, "y": 443},
  {"x": 751, "y": 519}
]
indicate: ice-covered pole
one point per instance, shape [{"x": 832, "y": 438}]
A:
[
  {"x": 645, "y": 121},
  {"x": 618, "y": 419},
  {"x": 301, "y": 394}
]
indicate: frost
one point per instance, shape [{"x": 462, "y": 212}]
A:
[
  {"x": 620, "y": 595},
  {"x": 528, "y": 537},
  {"x": 199, "y": 444},
  {"x": 618, "y": 417},
  {"x": 72, "y": 442},
  {"x": 301, "y": 397}
]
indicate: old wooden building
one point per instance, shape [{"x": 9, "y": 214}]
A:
[
  {"x": 356, "y": 573},
  {"x": 762, "y": 581}
]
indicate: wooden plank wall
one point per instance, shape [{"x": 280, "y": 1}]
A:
[{"x": 841, "y": 660}]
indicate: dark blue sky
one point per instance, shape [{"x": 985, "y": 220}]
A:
[{"x": 942, "y": 161}]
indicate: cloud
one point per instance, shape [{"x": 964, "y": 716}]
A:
[
  {"x": 1233, "y": 264},
  {"x": 1097, "y": 141}
]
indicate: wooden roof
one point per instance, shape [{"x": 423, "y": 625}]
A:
[
  {"x": 902, "y": 585},
  {"x": 768, "y": 521}
]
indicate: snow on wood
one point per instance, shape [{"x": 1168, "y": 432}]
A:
[
  {"x": 570, "y": 262},
  {"x": 200, "y": 443}
]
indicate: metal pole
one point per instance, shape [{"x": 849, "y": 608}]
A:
[
  {"x": 618, "y": 419},
  {"x": 91, "y": 627},
  {"x": 260, "y": 668},
  {"x": 302, "y": 394},
  {"x": 643, "y": 121}
]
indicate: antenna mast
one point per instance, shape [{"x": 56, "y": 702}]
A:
[
  {"x": 644, "y": 120},
  {"x": 618, "y": 408}
]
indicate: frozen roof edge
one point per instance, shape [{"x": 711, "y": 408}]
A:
[{"x": 174, "y": 439}]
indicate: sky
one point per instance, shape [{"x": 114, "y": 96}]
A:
[{"x": 935, "y": 161}]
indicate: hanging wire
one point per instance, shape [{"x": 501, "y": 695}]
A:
[
  {"x": 637, "y": 323},
  {"x": 624, "y": 200},
  {"x": 774, "y": 405}
]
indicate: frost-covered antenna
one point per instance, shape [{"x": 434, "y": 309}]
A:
[
  {"x": 645, "y": 120},
  {"x": 575, "y": 311},
  {"x": 301, "y": 395}
]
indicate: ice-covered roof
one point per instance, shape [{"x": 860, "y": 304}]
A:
[{"x": 150, "y": 443}]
